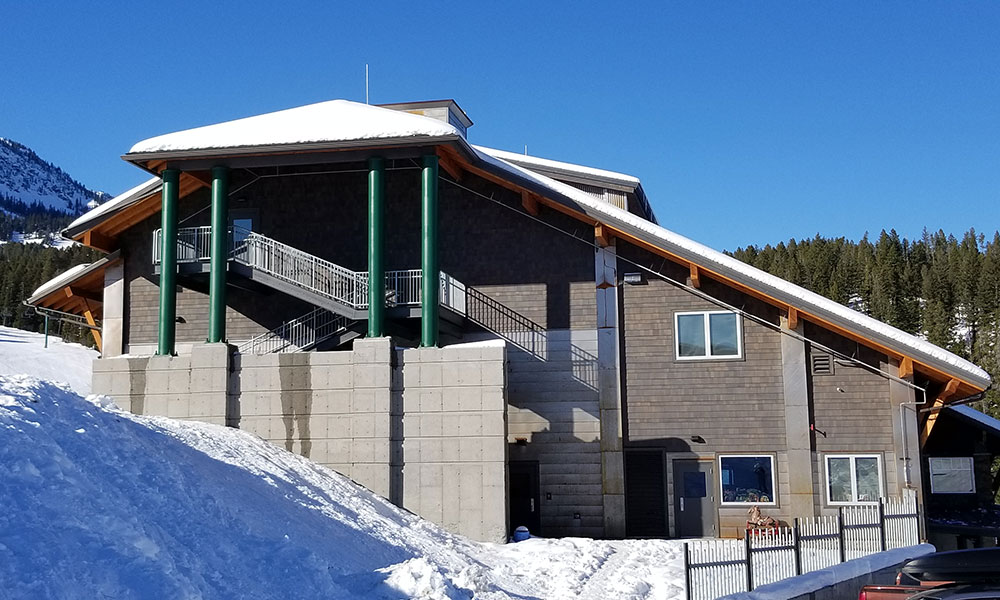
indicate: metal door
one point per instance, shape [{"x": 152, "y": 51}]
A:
[
  {"x": 524, "y": 496},
  {"x": 694, "y": 498},
  {"x": 645, "y": 494}
]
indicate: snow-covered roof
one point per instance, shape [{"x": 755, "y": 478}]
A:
[
  {"x": 69, "y": 276},
  {"x": 754, "y": 278},
  {"x": 321, "y": 123},
  {"x": 59, "y": 281},
  {"x": 111, "y": 206},
  {"x": 527, "y": 161},
  {"x": 982, "y": 418}
]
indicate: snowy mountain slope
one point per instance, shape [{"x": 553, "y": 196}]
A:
[
  {"x": 99, "y": 503},
  {"x": 27, "y": 178},
  {"x": 25, "y": 352}
]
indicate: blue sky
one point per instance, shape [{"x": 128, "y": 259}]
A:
[{"x": 748, "y": 122}]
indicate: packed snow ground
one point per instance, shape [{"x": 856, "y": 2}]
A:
[
  {"x": 24, "y": 352},
  {"x": 102, "y": 503}
]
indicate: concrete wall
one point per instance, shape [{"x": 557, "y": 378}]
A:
[
  {"x": 332, "y": 407},
  {"x": 113, "y": 311},
  {"x": 454, "y": 432},
  {"x": 429, "y": 437}
]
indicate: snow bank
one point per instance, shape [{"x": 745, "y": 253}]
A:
[
  {"x": 100, "y": 503},
  {"x": 810, "y": 582},
  {"x": 24, "y": 352}
]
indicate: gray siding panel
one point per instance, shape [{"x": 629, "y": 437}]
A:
[{"x": 735, "y": 405}]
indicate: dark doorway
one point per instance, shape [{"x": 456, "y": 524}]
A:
[
  {"x": 694, "y": 498},
  {"x": 524, "y": 496},
  {"x": 645, "y": 494}
]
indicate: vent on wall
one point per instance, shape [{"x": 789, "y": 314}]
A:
[{"x": 822, "y": 364}]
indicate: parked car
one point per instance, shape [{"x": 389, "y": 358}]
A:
[{"x": 956, "y": 575}]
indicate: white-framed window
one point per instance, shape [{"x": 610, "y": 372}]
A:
[
  {"x": 952, "y": 475},
  {"x": 746, "y": 479},
  {"x": 708, "y": 334},
  {"x": 853, "y": 478}
]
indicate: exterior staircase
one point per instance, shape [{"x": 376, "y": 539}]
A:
[{"x": 340, "y": 294}]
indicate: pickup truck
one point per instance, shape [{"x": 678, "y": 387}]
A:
[{"x": 956, "y": 575}]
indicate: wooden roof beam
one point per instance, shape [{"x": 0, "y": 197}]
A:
[
  {"x": 94, "y": 330},
  {"x": 450, "y": 166},
  {"x": 530, "y": 203},
  {"x": 96, "y": 239},
  {"x": 71, "y": 291},
  {"x": 939, "y": 402},
  {"x": 695, "y": 275},
  {"x": 602, "y": 236},
  {"x": 906, "y": 367}
]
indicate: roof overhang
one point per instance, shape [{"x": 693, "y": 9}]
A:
[{"x": 77, "y": 291}]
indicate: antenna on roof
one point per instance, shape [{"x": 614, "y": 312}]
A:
[
  {"x": 525, "y": 149},
  {"x": 366, "y": 83}
]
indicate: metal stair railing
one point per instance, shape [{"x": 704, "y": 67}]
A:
[
  {"x": 310, "y": 272},
  {"x": 300, "y": 268},
  {"x": 298, "y": 334},
  {"x": 194, "y": 244}
]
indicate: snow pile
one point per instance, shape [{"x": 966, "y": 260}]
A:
[
  {"x": 25, "y": 352},
  {"x": 100, "y": 503}
]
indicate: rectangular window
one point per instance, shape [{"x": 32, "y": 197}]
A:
[
  {"x": 952, "y": 475},
  {"x": 707, "y": 334},
  {"x": 746, "y": 479},
  {"x": 853, "y": 478}
]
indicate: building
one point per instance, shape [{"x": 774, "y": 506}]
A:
[{"x": 546, "y": 354}]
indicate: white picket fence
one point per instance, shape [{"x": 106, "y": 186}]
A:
[{"x": 715, "y": 568}]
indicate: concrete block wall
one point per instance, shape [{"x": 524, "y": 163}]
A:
[
  {"x": 455, "y": 436},
  {"x": 331, "y": 407},
  {"x": 345, "y": 410},
  {"x": 183, "y": 387}
]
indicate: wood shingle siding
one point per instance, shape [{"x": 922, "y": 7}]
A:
[{"x": 735, "y": 405}]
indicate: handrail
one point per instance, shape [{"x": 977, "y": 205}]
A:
[
  {"x": 302, "y": 269},
  {"x": 298, "y": 334},
  {"x": 310, "y": 272}
]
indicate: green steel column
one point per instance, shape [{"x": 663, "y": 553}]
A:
[
  {"x": 220, "y": 252},
  {"x": 168, "y": 263},
  {"x": 376, "y": 272},
  {"x": 430, "y": 276}
]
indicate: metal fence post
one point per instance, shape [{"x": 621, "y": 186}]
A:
[
  {"x": 881, "y": 523},
  {"x": 840, "y": 531},
  {"x": 687, "y": 571},
  {"x": 746, "y": 544},
  {"x": 798, "y": 547}
]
